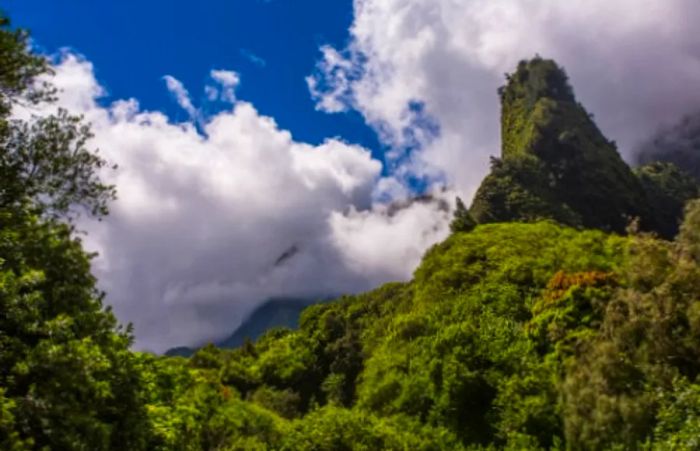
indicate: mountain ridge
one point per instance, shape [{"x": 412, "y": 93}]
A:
[{"x": 273, "y": 313}]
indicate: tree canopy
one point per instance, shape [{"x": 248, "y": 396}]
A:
[{"x": 67, "y": 377}]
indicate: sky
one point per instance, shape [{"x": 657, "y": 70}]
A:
[
  {"x": 271, "y": 148},
  {"x": 273, "y": 44}
]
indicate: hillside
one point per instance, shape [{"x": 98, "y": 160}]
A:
[
  {"x": 510, "y": 335},
  {"x": 555, "y": 164}
]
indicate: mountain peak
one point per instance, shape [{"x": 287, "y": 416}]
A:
[
  {"x": 533, "y": 91},
  {"x": 555, "y": 162}
]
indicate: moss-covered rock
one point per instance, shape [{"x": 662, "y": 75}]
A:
[{"x": 555, "y": 162}]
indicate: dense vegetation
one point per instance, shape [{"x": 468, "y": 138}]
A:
[{"x": 522, "y": 332}]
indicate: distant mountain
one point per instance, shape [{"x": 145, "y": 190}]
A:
[
  {"x": 679, "y": 144},
  {"x": 272, "y": 314}
]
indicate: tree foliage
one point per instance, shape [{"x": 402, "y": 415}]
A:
[
  {"x": 20, "y": 69},
  {"x": 67, "y": 377},
  {"x": 45, "y": 163},
  {"x": 667, "y": 189},
  {"x": 462, "y": 220}
]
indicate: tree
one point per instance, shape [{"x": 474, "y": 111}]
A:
[
  {"x": 65, "y": 364},
  {"x": 67, "y": 377},
  {"x": 44, "y": 161},
  {"x": 19, "y": 70},
  {"x": 462, "y": 220}
]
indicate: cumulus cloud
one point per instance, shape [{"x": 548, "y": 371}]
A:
[
  {"x": 215, "y": 218},
  {"x": 358, "y": 234},
  {"x": 634, "y": 63}
]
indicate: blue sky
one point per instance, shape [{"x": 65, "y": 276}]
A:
[{"x": 272, "y": 44}]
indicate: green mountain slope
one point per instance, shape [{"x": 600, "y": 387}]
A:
[
  {"x": 667, "y": 189},
  {"x": 525, "y": 336},
  {"x": 556, "y": 163}
]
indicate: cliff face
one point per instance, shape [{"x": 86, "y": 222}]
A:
[{"x": 555, "y": 162}]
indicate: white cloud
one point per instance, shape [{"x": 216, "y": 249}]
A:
[
  {"x": 634, "y": 63},
  {"x": 253, "y": 58},
  {"x": 229, "y": 81},
  {"x": 194, "y": 240},
  {"x": 211, "y": 93},
  {"x": 227, "y": 78},
  {"x": 333, "y": 91},
  {"x": 177, "y": 89},
  {"x": 358, "y": 234},
  {"x": 205, "y": 212}
]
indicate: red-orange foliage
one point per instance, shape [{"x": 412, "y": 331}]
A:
[{"x": 562, "y": 282}]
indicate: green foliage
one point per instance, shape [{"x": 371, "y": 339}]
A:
[
  {"x": 629, "y": 376},
  {"x": 450, "y": 360},
  {"x": 513, "y": 336},
  {"x": 65, "y": 366},
  {"x": 332, "y": 428},
  {"x": 190, "y": 409},
  {"x": 462, "y": 220},
  {"x": 520, "y": 189},
  {"x": 67, "y": 377},
  {"x": 678, "y": 418},
  {"x": 534, "y": 85},
  {"x": 19, "y": 70},
  {"x": 44, "y": 161}
]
